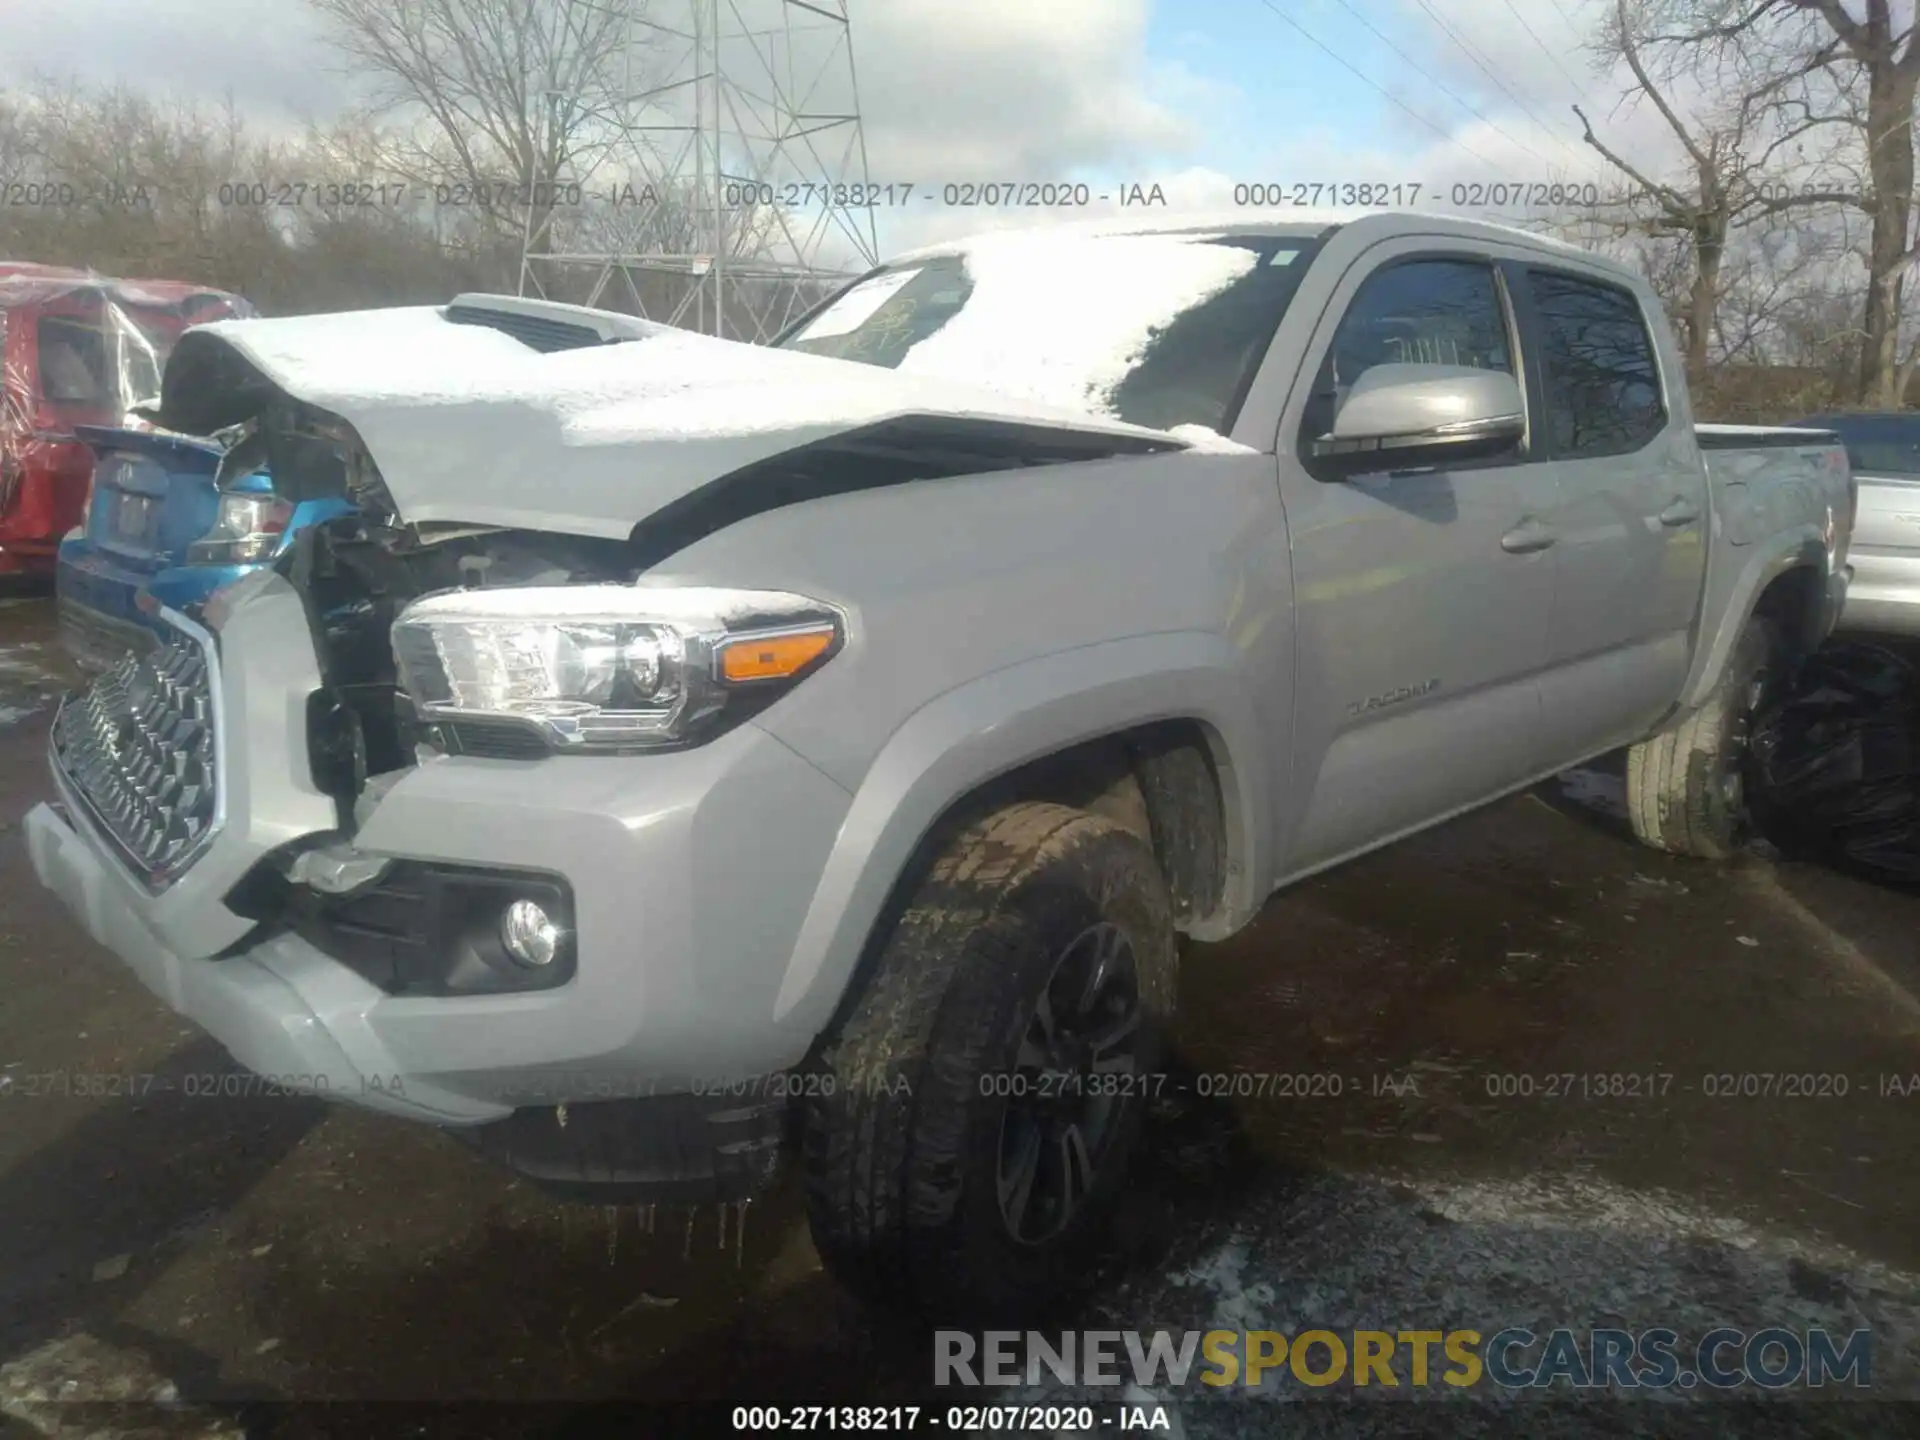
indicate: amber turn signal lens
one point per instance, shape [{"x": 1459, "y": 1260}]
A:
[{"x": 773, "y": 657}]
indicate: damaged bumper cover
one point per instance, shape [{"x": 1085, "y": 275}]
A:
[{"x": 668, "y": 1005}]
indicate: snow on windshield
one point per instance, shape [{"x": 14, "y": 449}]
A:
[{"x": 1063, "y": 320}]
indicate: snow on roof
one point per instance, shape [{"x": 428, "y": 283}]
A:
[
  {"x": 1063, "y": 313},
  {"x": 1301, "y": 220}
]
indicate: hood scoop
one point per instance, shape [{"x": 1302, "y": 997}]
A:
[{"x": 546, "y": 325}]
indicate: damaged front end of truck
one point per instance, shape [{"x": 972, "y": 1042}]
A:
[
  {"x": 347, "y": 839},
  {"x": 609, "y": 482}
]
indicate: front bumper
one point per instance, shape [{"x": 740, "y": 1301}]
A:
[
  {"x": 1884, "y": 597},
  {"x": 247, "y": 1002},
  {"x": 691, "y": 875}
]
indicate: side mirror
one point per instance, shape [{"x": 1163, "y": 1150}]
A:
[{"x": 1402, "y": 416}]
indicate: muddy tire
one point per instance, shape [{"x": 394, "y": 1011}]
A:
[
  {"x": 1686, "y": 788},
  {"x": 985, "y": 1094}
]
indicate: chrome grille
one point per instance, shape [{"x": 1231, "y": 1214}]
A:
[{"x": 138, "y": 748}]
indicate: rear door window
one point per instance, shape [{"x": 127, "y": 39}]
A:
[{"x": 1602, "y": 391}]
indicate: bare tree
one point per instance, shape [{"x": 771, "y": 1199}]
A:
[
  {"x": 1888, "y": 54},
  {"x": 1733, "y": 140},
  {"x": 1874, "y": 71},
  {"x": 505, "y": 99},
  {"x": 143, "y": 186}
]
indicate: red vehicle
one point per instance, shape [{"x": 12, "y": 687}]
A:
[{"x": 76, "y": 349}]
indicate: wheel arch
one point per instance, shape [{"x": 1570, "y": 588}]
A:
[
  {"x": 1787, "y": 582},
  {"x": 1104, "y": 728}
]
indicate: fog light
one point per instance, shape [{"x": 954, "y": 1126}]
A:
[{"x": 529, "y": 933}]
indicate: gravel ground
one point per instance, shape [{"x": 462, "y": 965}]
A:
[{"x": 234, "y": 1256}]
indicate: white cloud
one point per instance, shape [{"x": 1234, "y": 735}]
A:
[
  {"x": 1543, "y": 62},
  {"x": 1020, "y": 90},
  {"x": 264, "y": 53},
  {"x": 949, "y": 92},
  {"x": 1010, "y": 88}
]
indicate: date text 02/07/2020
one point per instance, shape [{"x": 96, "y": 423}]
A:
[
  {"x": 1408, "y": 194},
  {"x": 958, "y": 195},
  {"x": 193, "y": 1085},
  {"x": 961, "y": 1419}
]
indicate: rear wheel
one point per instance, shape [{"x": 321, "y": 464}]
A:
[
  {"x": 985, "y": 1096},
  {"x": 1686, "y": 789}
]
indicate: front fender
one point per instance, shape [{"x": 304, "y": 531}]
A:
[
  {"x": 1734, "y": 587},
  {"x": 994, "y": 724}
]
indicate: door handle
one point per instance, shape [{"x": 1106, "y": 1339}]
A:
[
  {"x": 1526, "y": 537},
  {"x": 1680, "y": 512}
]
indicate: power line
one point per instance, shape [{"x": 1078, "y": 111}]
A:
[
  {"x": 1416, "y": 67},
  {"x": 1370, "y": 84},
  {"x": 1474, "y": 55},
  {"x": 1561, "y": 11},
  {"x": 1543, "y": 46}
]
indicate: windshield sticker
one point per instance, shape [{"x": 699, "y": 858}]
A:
[{"x": 853, "y": 308}]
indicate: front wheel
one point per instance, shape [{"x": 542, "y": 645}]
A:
[
  {"x": 983, "y": 1099},
  {"x": 1686, "y": 789}
]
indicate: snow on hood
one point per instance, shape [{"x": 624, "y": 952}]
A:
[{"x": 469, "y": 425}]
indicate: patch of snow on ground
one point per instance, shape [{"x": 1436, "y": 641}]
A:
[
  {"x": 30, "y": 678},
  {"x": 1385, "y": 1252},
  {"x": 1604, "y": 794}
]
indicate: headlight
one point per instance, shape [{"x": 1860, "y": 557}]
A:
[
  {"x": 609, "y": 667},
  {"x": 247, "y": 528}
]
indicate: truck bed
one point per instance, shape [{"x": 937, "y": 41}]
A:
[{"x": 1763, "y": 476}]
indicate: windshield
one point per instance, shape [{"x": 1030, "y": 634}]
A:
[
  {"x": 1155, "y": 330},
  {"x": 1876, "y": 444}
]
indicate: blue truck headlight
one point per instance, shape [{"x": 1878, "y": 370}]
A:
[{"x": 247, "y": 528}]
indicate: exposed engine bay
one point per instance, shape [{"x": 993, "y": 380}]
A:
[
  {"x": 357, "y": 573},
  {"x": 356, "y": 576}
]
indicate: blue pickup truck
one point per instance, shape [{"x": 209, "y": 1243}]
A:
[{"x": 161, "y": 528}]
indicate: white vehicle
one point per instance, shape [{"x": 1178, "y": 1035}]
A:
[{"x": 1883, "y": 450}]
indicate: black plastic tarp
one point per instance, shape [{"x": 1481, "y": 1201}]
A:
[{"x": 1836, "y": 764}]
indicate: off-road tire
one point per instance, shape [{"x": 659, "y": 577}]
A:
[
  {"x": 1686, "y": 787},
  {"x": 903, "y": 1134}
]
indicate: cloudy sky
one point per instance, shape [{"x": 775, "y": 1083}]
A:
[{"x": 1193, "y": 94}]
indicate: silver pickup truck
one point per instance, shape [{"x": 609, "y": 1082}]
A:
[{"x": 692, "y": 747}]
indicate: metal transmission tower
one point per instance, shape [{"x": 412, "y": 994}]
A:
[{"x": 723, "y": 186}]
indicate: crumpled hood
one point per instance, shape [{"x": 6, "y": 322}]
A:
[{"x": 469, "y": 425}]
